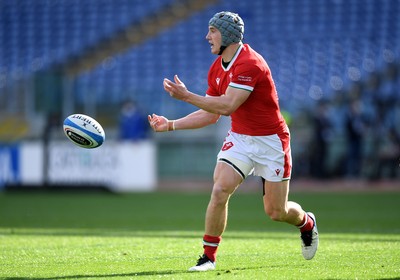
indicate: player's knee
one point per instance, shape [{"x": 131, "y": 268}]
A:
[
  {"x": 276, "y": 214},
  {"x": 220, "y": 194}
]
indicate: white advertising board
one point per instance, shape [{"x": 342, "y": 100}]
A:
[{"x": 120, "y": 166}]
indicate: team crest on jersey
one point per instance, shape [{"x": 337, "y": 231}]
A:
[
  {"x": 217, "y": 80},
  {"x": 230, "y": 76},
  {"x": 227, "y": 146}
]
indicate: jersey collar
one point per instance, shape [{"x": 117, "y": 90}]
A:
[{"x": 233, "y": 58}]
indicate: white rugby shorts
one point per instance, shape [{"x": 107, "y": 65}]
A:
[{"x": 265, "y": 156}]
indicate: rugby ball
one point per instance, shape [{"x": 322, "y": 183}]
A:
[{"x": 84, "y": 131}]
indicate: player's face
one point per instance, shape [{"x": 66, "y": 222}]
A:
[{"x": 214, "y": 39}]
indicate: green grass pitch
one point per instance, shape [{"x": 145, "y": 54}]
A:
[{"x": 68, "y": 235}]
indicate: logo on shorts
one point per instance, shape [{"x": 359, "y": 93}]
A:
[
  {"x": 277, "y": 171},
  {"x": 227, "y": 146}
]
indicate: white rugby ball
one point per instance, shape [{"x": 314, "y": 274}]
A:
[{"x": 84, "y": 131}]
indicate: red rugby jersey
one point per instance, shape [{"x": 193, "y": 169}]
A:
[{"x": 260, "y": 114}]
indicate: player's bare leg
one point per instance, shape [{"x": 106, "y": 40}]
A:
[
  {"x": 278, "y": 208},
  {"x": 226, "y": 180}
]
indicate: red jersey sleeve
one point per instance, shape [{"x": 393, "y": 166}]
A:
[{"x": 245, "y": 76}]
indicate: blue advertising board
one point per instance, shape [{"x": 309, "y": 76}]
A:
[{"x": 9, "y": 165}]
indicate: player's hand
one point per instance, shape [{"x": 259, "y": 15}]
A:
[
  {"x": 158, "y": 123},
  {"x": 177, "y": 90}
]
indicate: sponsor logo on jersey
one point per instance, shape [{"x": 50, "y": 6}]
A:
[{"x": 244, "y": 78}]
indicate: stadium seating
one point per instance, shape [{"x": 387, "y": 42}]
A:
[
  {"x": 50, "y": 32},
  {"x": 314, "y": 49},
  {"x": 317, "y": 50}
]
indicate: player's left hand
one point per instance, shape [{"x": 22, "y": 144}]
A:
[{"x": 177, "y": 90}]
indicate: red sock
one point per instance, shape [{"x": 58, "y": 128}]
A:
[
  {"x": 307, "y": 224},
  {"x": 210, "y": 245}
]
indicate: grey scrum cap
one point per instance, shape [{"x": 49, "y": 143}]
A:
[{"x": 230, "y": 25}]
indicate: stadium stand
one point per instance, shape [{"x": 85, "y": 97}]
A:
[
  {"x": 314, "y": 50},
  {"x": 331, "y": 50}
]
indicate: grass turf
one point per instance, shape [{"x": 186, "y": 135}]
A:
[{"x": 158, "y": 235}]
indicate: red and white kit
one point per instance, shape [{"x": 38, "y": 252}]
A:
[{"x": 259, "y": 140}]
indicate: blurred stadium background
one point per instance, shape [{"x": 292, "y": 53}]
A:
[{"x": 332, "y": 60}]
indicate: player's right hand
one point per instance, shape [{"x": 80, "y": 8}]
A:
[{"x": 158, "y": 123}]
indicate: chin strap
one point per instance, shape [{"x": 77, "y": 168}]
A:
[{"x": 221, "y": 49}]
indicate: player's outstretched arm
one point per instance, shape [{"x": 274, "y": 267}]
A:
[
  {"x": 224, "y": 104},
  {"x": 197, "y": 119}
]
